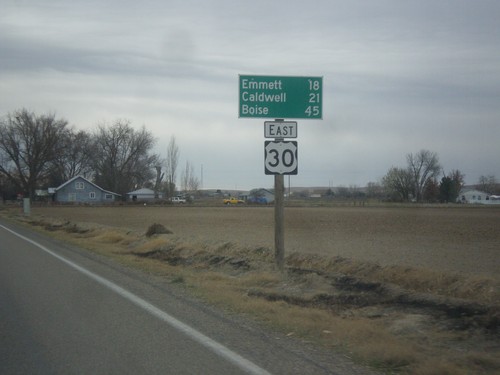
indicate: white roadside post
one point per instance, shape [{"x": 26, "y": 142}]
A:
[{"x": 26, "y": 206}]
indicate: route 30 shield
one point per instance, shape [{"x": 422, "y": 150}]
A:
[{"x": 280, "y": 157}]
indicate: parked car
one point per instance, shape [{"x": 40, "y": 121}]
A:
[
  {"x": 257, "y": 200},
  {"x": 178, "y": 200},
  {"x": 233, "y": 200}
]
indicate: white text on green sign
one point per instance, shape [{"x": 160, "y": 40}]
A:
[{"x": 280, "y": 97}]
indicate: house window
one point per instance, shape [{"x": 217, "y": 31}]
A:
[
  {"x": 92, "y": 195},
  {"x": 79, "y": 185},
  {"x": 108, "y": 197},
  {"x": 72, "y": 197}
]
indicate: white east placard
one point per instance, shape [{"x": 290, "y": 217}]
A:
[{"x": 280, "y": 129}]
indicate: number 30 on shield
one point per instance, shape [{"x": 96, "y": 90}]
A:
[{"x": 280, "y": 157}]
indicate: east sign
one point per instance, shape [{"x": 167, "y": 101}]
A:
[{"x": 280, "y": 129}]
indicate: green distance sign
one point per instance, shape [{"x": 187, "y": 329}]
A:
[{"x": 283, "y": 97}]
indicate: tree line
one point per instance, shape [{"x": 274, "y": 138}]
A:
[
  {"x": 424, "y": 180},
  {"x": 41, "y": 151},
  {"x": 421, "y": 180}
]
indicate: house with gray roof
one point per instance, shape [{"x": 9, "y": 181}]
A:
[
  {"x": 260, "y": 196},
  {"x": 143, "y": 195},
  {"x": 79, "y": 190}
]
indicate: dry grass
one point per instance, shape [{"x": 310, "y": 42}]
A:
[
  {"x": 459, "y": 239},
  {"x": 483, "y": 289},
  {"x": 336, "y": 302},
  {"x": 153, "y": 244},
  {"x": 111, "y": 237}
]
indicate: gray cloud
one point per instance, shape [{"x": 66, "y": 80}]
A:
[{"x": 398, "y": 77}]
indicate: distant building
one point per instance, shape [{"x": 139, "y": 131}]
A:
[
  {"x": 143, "y": 195},
  {"x": 477, "y": 197},
  {"x": 260, "y": 196},
  {"x": 81, "y": 190}
]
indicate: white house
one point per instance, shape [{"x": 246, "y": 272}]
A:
[
  {"x": 477, "y": 197},
  {"x": 142, "y": 195}
]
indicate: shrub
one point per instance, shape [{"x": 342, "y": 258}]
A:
[{"x": 157, "y": 229}]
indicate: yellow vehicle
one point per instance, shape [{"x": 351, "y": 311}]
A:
[{"x": 233, "y": 200}]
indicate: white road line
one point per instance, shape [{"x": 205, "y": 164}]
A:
[{"x": 197, "y": 336}]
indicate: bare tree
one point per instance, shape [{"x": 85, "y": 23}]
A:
[
  {"x": 194, "y": 183},
  {"x": 355, "y": 192},
  {"x": 398, "y": 183},
  {"x": 423, "y": 166},
  {"x": 189, "y": 182},
  {"x": 76, "y": 158},
  {"x": 185, "y": 176},
  {"x": 123, "y": 158},
  {"x": 374, "y": 189},
  {"x": 7, "y": 189},
  {"x": 29, "y": 144},
  {"x": 159, "y": 178},
  {"x": 171, "y": 163},
  {"x": 488, "y": 184}
]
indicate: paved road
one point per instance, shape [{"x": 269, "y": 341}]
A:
[{"x": 65, "y": 311}]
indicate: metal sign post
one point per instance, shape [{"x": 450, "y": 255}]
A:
[
  {"x": 280, "y": 158},
  {"x": 280, "y": 97},
  {"x": 279, "y": 221}
]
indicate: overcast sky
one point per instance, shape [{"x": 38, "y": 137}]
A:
[{"x": 398, "y": 77}]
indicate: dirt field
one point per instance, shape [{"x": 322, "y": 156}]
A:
[{"x": 455, "y": 239}]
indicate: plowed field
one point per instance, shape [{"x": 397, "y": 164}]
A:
[{"x": 456, "y": 239}]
